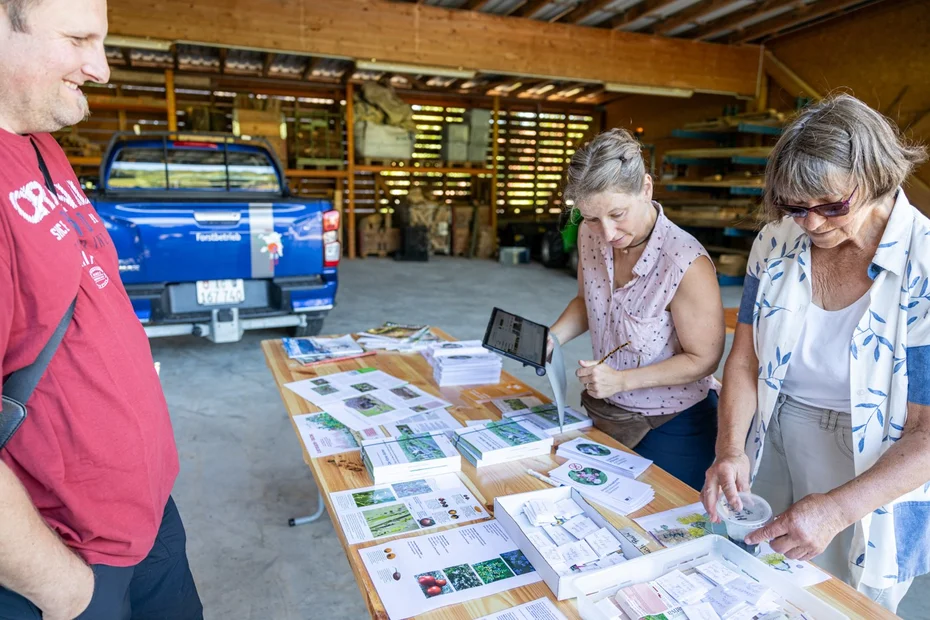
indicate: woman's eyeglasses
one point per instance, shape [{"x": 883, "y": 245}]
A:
[{"x": 831, "y": 209}]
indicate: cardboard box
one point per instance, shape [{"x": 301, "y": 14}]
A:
[
  {"x": 382, "y": 141},
  {"x": 454, "y": 151},
  {"x": 508, "y": 507},
  {"x": 478, "y": 152},
  {"x": 455, "y": 132}
]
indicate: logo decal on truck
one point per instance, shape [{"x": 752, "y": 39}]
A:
[
  {"x": 218, "y": 236},
  {"x": 274, "y": 247}
]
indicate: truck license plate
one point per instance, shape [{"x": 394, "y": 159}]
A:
[{"x": 220, "y": 292}]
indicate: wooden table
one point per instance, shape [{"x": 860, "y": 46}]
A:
[{"x": 346, "y": 471}]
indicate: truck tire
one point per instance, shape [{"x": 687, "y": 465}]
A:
[
  {"x": 552, "y": 251},
  {"x": 313, "y": 328},
  {"x": 573, "y": 261}
]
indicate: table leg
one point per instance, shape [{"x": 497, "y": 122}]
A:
[{"x": 320, "y": 509}]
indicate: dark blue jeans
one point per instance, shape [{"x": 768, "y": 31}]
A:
[
  {"x": 683, "y": 446},
  {"x": 160, "y": 587}
]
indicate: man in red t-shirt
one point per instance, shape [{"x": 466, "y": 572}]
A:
[{"x": 87, "y": 525}]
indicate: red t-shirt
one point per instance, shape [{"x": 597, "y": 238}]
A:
[{"x": 96, "y": 453}]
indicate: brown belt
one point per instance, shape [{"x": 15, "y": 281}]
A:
[{"x": 627, "y": 427}]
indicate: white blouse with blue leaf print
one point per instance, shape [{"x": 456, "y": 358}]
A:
[{"x": 889, "y": 367}]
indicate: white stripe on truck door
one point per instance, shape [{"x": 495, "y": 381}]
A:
[{"x": 261, "y": 222}]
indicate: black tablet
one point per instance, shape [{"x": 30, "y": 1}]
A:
[{"x": 517, "y": 338}]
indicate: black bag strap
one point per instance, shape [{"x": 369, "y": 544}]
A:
[{"x": 20, "y": 384}]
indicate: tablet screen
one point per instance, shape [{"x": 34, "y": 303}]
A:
[{"x": 517, "y": 337}]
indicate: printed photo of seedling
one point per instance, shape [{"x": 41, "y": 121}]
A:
[
  {"x": 517, "y": 562},
  {"x": 373, "y": 497},
  {"x": 493, "y": 570},
  {"x": 390, "y": 520},
  {"x": 462, "y": 577}
]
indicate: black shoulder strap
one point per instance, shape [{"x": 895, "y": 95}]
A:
[{"x": 20, "y": 385}]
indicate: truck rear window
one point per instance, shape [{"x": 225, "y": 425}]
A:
[{"x": 145, "y": 168}]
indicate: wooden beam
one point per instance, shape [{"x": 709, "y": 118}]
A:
[
  {"x": 127, "y": 104},
  {"x": 527, "y": 85},
  {"x": 223, "y": 53},
  {"x": 312, "y": 64},
  {"x": 529, "y": 9},
  {"x": 127, "y": 57},
  {"x": 585, "y": 10},
  {"x": 718, "y": 27},
  {"x": 445, "y": 38},
  {"x": 646, "y": 8},
  {"x": 565, "y": 10},
  {"x": 170, "y": 101},
  {"x": 475, "y": 5},
  {"x": 350, "y": 166},
  {"x": 792, "y": 19},
  {"x": 786, "y": 78},
  {"x": 689, "y": 15},
  {"x": 121, "y": 113},
  {"x": 516, "y": 7},
  {"x": 269, "y": 60}
]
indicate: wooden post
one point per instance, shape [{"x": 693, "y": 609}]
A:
[
  {"x": 350, "y": 165},
  {"x": 170, "y": 100},
  {"x": 495, "y": 150},
  {"x": 122, "y": 113}
]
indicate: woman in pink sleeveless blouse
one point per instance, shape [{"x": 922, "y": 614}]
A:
[{"x": 648, "y": 294}]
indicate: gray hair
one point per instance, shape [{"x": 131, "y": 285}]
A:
[
  {"x": 611, "y": 162},
  {"x": 833, "y": 145},
  {"x": 16, "y": 12}
]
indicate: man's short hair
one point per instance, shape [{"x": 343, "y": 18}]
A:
[{"x": 16, "y": 11}]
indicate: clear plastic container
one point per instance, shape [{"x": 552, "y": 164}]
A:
[{"x": 754, "y": 514}]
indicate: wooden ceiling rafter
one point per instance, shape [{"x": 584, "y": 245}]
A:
[
  {"x": 689, "y": 15},
  {"x": 530, "y": 8},
  {"x": 517, "y": 8},
  {"x": 565, "y": 10},
  {"x": 475, "y": 5},
  {"x": 799, "y": 17},
  {"x": 718, "y": 27},
  {"x": 222, "y": 56},
  {"x": 646, "y": 8},
  {"x": 268, "y": 61},
  {"x": 585, "y": 10}
]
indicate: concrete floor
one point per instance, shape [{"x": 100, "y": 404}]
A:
[{"x": 242, "y": 475}]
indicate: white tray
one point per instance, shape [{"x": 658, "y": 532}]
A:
[{"x": 595, "y": 586}]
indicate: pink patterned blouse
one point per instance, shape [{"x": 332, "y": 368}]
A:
[{"x": 638, "y": 312}]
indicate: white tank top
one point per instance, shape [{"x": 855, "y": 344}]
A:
[{"x": 818, "y": 372}]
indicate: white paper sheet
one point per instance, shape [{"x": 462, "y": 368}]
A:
[
  {"x": 436, "y": 420},
  {"x": 603, "y": 542},
  {"x": 580, "y": 526},
  {"x": 555, "y": 371},
  {"x": 540, "y": 609},
  {"x": 577, "y": 553},
  {"x": 469, "y": 562},
  {"x": 403, "y": 507},
  {"x": 558, "y": 534},
  {"x": 324, "y": 435}
]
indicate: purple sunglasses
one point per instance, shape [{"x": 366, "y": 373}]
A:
[{"x": 831, "y": 209}]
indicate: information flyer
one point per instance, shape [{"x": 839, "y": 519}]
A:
[
  {"x": 384, "y": 510},
  {"x": 419, "y": 574},
  {"x": 324, "y": 435}
]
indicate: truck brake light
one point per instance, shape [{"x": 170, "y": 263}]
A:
[
  {"x": 332, "y": 249},
  {"x": 331, "y": 220}
]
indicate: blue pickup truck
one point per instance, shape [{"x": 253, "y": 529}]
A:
[{"x": 209, "y": 240}]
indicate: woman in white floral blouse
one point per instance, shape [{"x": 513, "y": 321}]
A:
[{"x": 825, "y": 408}]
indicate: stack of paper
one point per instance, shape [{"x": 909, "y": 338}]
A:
[
  {"x": 620, "y": 493},
  {"x": 436, "y": 420},
  {"x": 604, "y": 457},
  {"x": 540, "y": 512},
  {"x": 397, "y": 337},
  {"x": 546, "y": 417},
  {"x": 398, "y": 459},
  {"x": 480, "y": 369},
  {"x": 501, "y": 441},
  {"x": 457, "y": 347},
  {"x": 309, "y": 351}
]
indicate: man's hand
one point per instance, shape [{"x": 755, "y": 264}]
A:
[
  {"x": 730, "y": 472},
  {"x": 72, "y": 596},
  {"x": 600, "y": 380},
  {"x": 804, "y": 530}
]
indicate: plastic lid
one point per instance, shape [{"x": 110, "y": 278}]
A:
[{"x": 756, "y": 511}]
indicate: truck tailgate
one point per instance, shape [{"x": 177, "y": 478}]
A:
[{"x": 185, "y": 242}]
